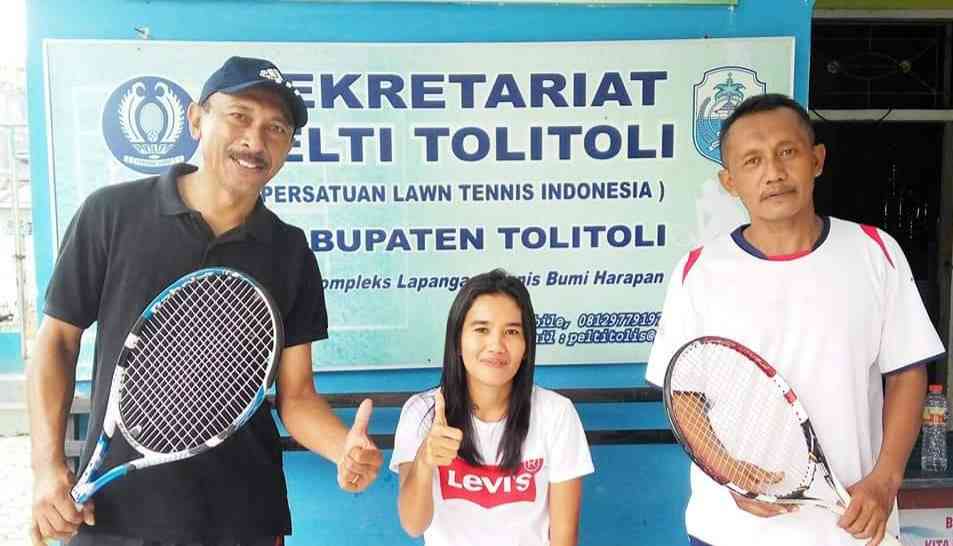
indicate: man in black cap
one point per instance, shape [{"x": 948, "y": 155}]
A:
[{"x": 124, "y": 245}]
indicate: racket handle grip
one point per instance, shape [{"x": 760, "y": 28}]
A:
[
  {"x": 888, "y": 540},
  {"x": 79, "y": 494}
]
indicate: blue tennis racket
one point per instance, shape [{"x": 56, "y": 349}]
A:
[{"x": 193, "y": 369}]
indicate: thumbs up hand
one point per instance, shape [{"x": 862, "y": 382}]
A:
[
  {"x": 361, "y": 462},
  {"x": 443, "y": 441}
]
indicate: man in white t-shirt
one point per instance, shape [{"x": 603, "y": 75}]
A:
[{"x": 832, "y": 304}]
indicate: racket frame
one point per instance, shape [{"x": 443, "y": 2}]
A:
[
  {"x": 817, "y": 458},
  {"x": 90, "y": 481}
]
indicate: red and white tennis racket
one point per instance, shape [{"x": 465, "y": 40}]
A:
[{"x": 743, "y": 425}]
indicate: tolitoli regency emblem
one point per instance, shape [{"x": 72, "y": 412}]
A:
[
  {"x": 144, "y": 124},
  {"x": 721, "y": 90}
]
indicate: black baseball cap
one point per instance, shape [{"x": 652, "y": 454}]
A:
[{"x": 240, "y": 73}]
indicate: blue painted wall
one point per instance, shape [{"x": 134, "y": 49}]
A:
[
  {"x": 638, "y": 492},
  {"x": 626, "y": 505},
  {"x": 636, "y": 496},
  {"x": 10, "y": 358}
]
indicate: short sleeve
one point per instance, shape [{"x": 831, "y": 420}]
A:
[
  {"x": 307, "y": 320},
  {"x": 677, "y": 325},
  {"x": 569, "y": 455},
  {"x": 412, "y": 428},
  {"x": 909, "y": 337},
  {"x": 76, "y": 285}
]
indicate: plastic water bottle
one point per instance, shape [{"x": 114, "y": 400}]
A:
[{"x": 933, "y": 451}]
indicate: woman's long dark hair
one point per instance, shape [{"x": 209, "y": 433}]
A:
[{"x": 453, "y": 381}]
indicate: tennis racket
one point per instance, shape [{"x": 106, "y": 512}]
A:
[
  {"x": 741, "y": 423},
  {"x": 193, "y": 369}
]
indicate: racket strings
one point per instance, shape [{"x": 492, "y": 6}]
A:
[
  {"x": 182, "y": 369},
  {"x": 218, "y": 389},
  {"x": 203, "y": 391},
  {"x": 737, "y": 422},
  {"x": 200, "y": 361}
]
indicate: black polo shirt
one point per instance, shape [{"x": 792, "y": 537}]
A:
[{"x": 126, "y": 243}]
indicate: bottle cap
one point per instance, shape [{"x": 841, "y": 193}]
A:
[{"x": 935, "y": 389}]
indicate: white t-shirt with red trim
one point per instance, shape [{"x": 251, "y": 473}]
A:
[
  {"x": 832, "y": 321},
  {"x": 482, "y": 505}
]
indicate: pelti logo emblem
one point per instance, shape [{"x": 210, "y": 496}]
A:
[
  {"x": 721, "y": 90},
  {"x": 145, "y": 127}
]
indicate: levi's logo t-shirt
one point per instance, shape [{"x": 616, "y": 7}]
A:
[
  {"x": 489, "y": 486},
  {"x": 485, "y": 505}
]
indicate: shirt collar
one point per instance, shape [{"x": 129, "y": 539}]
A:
[
  {"x": 739, "y": 238},
  {"x": 259, "y": 224},
  {"x": 170, "y": 202}
]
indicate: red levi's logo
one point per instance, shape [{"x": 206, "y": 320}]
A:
[{"x": 489, "y": 486}]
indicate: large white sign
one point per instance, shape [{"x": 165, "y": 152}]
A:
[{"x": 586, "y": 168}]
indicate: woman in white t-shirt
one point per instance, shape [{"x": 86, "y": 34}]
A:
[{"x": 488, "y": 458}]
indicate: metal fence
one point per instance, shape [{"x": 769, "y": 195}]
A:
[{"x": 16, "y": 307}]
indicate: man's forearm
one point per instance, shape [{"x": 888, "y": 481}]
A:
[
  {"x": 311, "y": 422},
  {"x": 50, "y": 384},
  {"x": 903, "y": 408}
]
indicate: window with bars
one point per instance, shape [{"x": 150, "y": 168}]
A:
[{"x": 881, "y": 64}]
